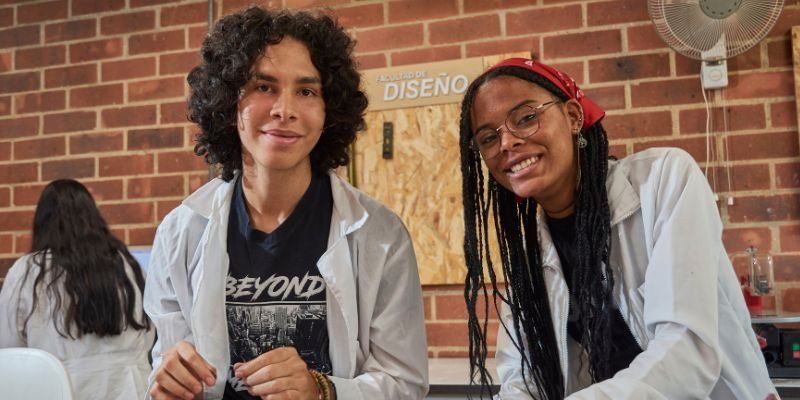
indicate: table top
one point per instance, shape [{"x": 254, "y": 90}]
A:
[{"x": 782, "y": 318}]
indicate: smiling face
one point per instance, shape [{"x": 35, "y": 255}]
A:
[
  {"x": 542, "y": 166},
  {"x": 281, "y": 112}
]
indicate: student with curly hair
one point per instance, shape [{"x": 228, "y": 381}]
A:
[
  {"x": 78, "y": 296},
  {"x": 617, "y": 282},
  {"x": 278, "y": 279}
]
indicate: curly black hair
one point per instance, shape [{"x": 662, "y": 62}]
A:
[{"x": 229, "y": 53}]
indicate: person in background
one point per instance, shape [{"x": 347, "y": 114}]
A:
[
  {"x": 617, "y": 282},
  {"x": 278, "y": 280},
  {"x": 78, "y": 296}
]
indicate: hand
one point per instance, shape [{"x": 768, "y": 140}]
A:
[
  {"x": 181, "y": 373},
  {"x": 279, "y": 374}
]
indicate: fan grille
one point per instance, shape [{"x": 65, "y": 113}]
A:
[{"x": 684, "y": 26}]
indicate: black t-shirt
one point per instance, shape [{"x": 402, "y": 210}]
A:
[
  {"x": 623, "y": 345},
  {"x": 274, "y": 293}
]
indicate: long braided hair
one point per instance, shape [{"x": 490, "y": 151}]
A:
[{"x": 525, "y": 292}]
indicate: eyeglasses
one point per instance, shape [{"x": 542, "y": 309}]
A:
[{"x": 522, "y": 122}]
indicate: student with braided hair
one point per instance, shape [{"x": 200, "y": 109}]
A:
[{"x": 617, "y": 282}]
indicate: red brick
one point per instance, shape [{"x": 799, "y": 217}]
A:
[
  {"x": 156, "y": 42},
  {"x": 763, "y": 146},
  {"x": 394, "y": 37},
  {"x": 309, "y": 3},
  {"x": 471, "y": 6},
  {"x": 416, "y": 10},
  {"x": 547, "y": 19},
  {"x": 141, "y": 236},
  {"x": 5, "y": 105},
  {"x": 582, "y": 44},
  {"x": 156, "y": 186},
  {"x": 783, "y": 115},
  {"x": 39, "y": 102},
  {"x": 19, "y": 172},
  {"x": 180, "y": 161},
  {"x": 95, "y": 50},
  {"x": 369, "y": 61},
  {"x": 70, "y": 76},
  {"x": 744, "y": 177},
  {"x": 790, "y": 237},
  {"x": 39, "y": 148},
  {"x": 95, "y": 7},
  {"x": 50, "y": 10},
  {"x": 785, "y": 268},
  {"x": 15, "y": 220},
  {"x": 128, "y": 69},
  {"x": 23, "y": 242},
  {"x": 27, "y": 195},
  {"x": 360, "y": 16},
  {"x": 779, "y": 53},
  {"x": 429, "y": 54},
  {"x": 128, "y": 22},
  {"x": 174, "y": 113},
  {"x": 184, "y": 14},
  {"x": 629, "y": 67},
  {"x": 695, "y": 146},
  {"x": 97, "y": 95},
  {"x": 73, "y": 168},
  {"x": 70, "y": 30},
  {"x": 610, "y": 97},
  {"x": 760, "y": 84},
  {"x": 178, "y": 63},
  {"x": 6, "y": 241},
  {"x": 163, "y": 207},
  {"x": 145, "y": 3},
  {"x": 157, "y": 138},
  {"x": 504, "y": 46},
  {"x": 5, "y": 151},
  {"x": 196, "y": 36},
  {"x": 19, "y": 36},
  {"x": 5, "y": 61},
  {"x": 6, "y": 17},
  {"x": 95, "y": 142},
  {"x": 197, "y": 180},
  {"x": 18, "y": 127},
  {"x": 5, "y": 201},
  {"x": 463, "y": 29},
  {"x": 686, "y": 66},
  {"x": 453, "y": 307},
  {"x": 128, "y": 213},
  {"x": 105, "y": 190},
  {"x": 156, "y": 89},
  {"x": 750, "y": 59},
  {"x": 638, "y": 125},
  {"x": 666, "y": 92},
  {"x": 72, "y": 121},
  {"x": 447, "y": 333},
  {"x": 644, "y": 37},
  {"x": 128, "y": 116},
  {"x": 616, "y": 12},
  {"x": 20, "y": 82},
  {"x": 765, "y": 208},
  {"x": 787, "y": 175},
  {"x": 126, "y": 165},
  {"x": 739, "y": 118}
]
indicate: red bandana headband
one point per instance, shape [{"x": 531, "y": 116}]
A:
[{"x": 592, "y": 113}]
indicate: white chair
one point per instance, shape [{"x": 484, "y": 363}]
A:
[{"x": 33, "y": 374}]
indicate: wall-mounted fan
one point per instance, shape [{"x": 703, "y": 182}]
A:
[{"x": 713, "y": 30}]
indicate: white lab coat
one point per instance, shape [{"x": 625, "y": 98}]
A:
[
  {"x": 101, "y": 368},
  {"x": 674, "y": 286},
  {"x": 374, "y": 298}
]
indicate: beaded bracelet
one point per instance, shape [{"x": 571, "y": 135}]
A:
[{"x": 324, "y": 385}]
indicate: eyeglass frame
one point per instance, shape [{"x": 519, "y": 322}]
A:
[{"x": 537, "y": 112}]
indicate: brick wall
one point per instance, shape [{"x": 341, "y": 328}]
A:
[{"x": 95, "y": 90}]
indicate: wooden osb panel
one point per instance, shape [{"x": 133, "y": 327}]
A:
[{"x": 421, "y": 183}]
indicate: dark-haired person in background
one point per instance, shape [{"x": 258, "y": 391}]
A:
[
  {"x": 279, "y": 280},
  {"x": 618, "y": 285},
  {"x": 78, "y": 296}
]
